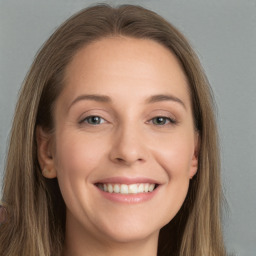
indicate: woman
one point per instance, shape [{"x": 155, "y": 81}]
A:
[{"x": 114, "y": 145}]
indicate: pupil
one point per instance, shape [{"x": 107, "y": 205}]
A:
[
  {"x": 95, "y": 120},
  {"x": 160, "y": 120}
]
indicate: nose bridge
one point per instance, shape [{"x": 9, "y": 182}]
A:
[{"x": 128, "y": 146}]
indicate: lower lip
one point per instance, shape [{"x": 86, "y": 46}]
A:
[{"x": 129, "y": 198}]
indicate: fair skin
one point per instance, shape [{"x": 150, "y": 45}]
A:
[{"x": 123, "y": 117}]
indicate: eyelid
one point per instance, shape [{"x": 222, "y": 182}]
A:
[
  {"x": 166, "y": 113},
  {"x": 83, "y": 120},
  {"x": 172, "y": 121},
  {"x": 100, "y": 112}
]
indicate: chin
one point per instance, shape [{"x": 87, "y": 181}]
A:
[
  {"x": 120, "y": 235},
  {"x": 130, "y": 229}
]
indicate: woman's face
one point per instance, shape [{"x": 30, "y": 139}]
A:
[{"x": 124, "y": 145}]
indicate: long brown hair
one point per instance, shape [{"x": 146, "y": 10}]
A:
[{"x": 36, "y": 211}]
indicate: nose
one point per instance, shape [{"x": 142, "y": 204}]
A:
[{"x": 128, "y": 146}]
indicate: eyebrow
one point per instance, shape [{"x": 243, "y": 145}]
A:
[
  {"x": 107, "y": 99},
  {"x": 165, "y": 97},
  {"x": 93, "y": 97}
]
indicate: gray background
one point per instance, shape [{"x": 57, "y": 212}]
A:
[{"x": 223, "y": 34}]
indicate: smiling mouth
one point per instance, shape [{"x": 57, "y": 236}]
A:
[{"x": 127, "y": 189}]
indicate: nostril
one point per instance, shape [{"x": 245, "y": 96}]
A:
[{"x": 127, "y": 161}]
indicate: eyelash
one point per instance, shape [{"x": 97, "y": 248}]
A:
[
  {"x": 86, "y": 120},
  {"x": 164, "y": 119},
  {"x": 170, "y": 121}
]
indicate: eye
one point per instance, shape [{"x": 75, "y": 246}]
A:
[
  {"x": 162, "y": 120},
  {"x": 93, "y": 120}
]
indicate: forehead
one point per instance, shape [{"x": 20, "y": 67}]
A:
[
  {"x": 123, "y": 64},
  {"x": 114, "y": 50}
]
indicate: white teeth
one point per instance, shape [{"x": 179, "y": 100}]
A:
[
  {"x": 141, "y": 188},
  {"x": 151, "y": 187},
  {"x": 133, "y": 189},
  {"x": 124, "y": 189},
  {"x": 127, "y": 189},
  {"x": 110, "y": 188},
  {"x": 116, "y": 188}
]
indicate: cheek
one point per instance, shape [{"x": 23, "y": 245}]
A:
[
  {"x": 175, "y": 159},
  {"x": 175, "y": 156},
  {"x": 75, "y": 153},
  {"x": 77, "y": 157}
]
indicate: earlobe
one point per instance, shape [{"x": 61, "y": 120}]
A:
[
  {"x": 194, "y": 167},
  {"x": 44, "y": 153},
  {"x": 194, "y": 161},
  {"x": 50, "y": 174}
]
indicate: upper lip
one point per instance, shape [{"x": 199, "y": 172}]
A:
[{"x": 127, "y": 180}]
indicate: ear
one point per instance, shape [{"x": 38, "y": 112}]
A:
[
  {"x": 194, "y": 161},
  {"x": 45, "y": 153}
]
